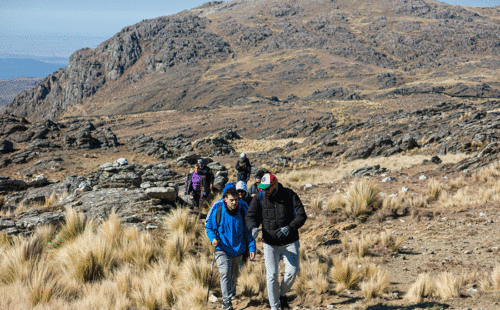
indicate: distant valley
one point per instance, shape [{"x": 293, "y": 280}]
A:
[
  {"x": 11, "y": 68},
  {"x": 10, "y": 88}
]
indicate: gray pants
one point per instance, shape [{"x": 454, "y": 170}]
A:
[
  {"x": 229, "y": 269},
  {"x": 272, "y": 256}
]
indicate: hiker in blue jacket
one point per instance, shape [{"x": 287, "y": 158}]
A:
[{"x": 231, "y": 239}]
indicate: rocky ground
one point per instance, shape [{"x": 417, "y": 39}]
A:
[{"x": 136, "y": 164}]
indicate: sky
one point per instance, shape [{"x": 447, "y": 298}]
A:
[{"x": 51, "y": 30}]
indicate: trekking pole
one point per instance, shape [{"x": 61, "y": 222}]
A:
[{"x": 211, "y": 273}]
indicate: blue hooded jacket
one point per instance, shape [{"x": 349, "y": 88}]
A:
[{"x": 234, "y": 236}]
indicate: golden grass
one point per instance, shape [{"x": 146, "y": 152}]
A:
[
  {"x": 336, "y": 201},
  {"x": 495, "y": 277},
  {"x": 317, "y": 203},
  {"x": 13, "y": 265},
  {"x": 45, "y": 284},
  {"x": 361, "y": 246},
  {"x": 421, "y": 288},
  {"x": 75, "y": 225},
  {"x": 345, "y": 274},
  {"x": 183, "y": 221},
  {"x": 391, "y": 241},
  {"x": 448, "y": 285},
  {"x": 457, "y": 183},
  {"x": 176, "y": 247},
  {"x": 298, "y": 178},
  {"x": 88, "y": 258},
  {"x": 264, "y": 145},
  {"x": 253, "y": 280},
  {"x": 363, "y": 198},
  {"x": 139, "y": 249},
  {"x": 376, "y": 285},
  {"x": 435, "y": 188}
]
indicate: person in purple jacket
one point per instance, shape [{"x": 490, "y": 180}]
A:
[
  {"x": 231, "y": 238},
  {"x": 196, "y": 186}
]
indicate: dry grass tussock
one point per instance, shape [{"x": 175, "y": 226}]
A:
[
  {"x": 336, "y": 201},
  {"x": 448, "y": 285},
  {"x": 317, "y": 203},
  {"x": 362, "y": 199},
  {"x": 345, "y": 274},
  {"x": 421, "y": 288},
  {"x": 314, "y": 175},
  {"x": 495, "y": 277},
  {"x": 376, "y": 284},
  {"x": 360, "y": 246},
  {"x": 435, "y": 188}
]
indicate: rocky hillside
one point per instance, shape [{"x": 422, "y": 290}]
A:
[{"x": 226, "y": 53}]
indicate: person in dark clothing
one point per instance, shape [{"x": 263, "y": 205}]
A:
[
  {"x": 241, "y": 188},
  {"x": 208, "y": 174},
  {"x": 254, "y": 189},
  {"x": 243, "y": 167},
  {"x": 194, "y": 183},
  {"x": 281, "y": 214}
]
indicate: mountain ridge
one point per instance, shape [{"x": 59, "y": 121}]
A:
[{"x": 241, "y": 51}]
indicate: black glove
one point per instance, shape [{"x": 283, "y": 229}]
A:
[{"x": 283, "y": 232}]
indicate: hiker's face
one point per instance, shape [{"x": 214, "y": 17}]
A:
[
  {"x": 241, "y": 194},
  {"x": 271, "y": 189},
  {"x": 197, "y": 169},
  {"x": 257, "y": 180},
  {"x": 231, "y": 202}
]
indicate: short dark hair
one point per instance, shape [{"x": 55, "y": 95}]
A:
[
  {"x": 231, "y": 191},
  {"x": 260, "y": 174}
]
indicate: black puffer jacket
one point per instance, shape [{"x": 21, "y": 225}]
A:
[{"x": 276, "y": 211}]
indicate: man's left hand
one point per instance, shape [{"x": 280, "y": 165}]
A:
[
  {"x": 283, "y": 232},
  {"x": 252, "y": 255}
]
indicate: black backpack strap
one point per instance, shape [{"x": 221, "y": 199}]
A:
[{"x": 219, "y": 215}]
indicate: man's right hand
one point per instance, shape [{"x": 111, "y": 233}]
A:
[{"x": 215, "y": 243}]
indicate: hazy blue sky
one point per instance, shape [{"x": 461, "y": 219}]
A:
[{"x": 52, "y": 30}]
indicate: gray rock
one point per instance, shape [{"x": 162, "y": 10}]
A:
[
  {"x": 389, "y": 179},
  {"x": 38, "y": 181},
  {"x": 164, "y": 193}
]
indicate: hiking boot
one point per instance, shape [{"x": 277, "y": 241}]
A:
[
  {"x": 284, "y": 303},
  {"x": 227, "y": 305}
]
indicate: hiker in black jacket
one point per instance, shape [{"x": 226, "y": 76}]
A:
[
  {"x": 208, "y": 174},
  {"x": 281, "y": 214},
  {"x": 243, "y": 167},
  {"x": 254, "y": 189}
]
